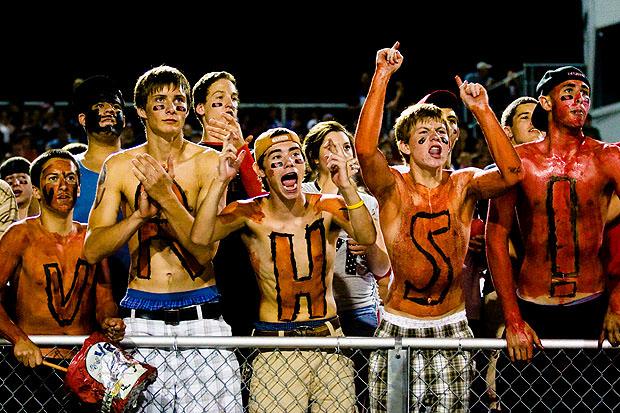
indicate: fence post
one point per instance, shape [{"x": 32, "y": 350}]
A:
[{"x": 398, "y": 378}]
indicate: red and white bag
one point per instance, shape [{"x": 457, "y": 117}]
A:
[{"x": 102, "y": 373}]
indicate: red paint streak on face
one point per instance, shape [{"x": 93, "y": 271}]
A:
[{"x": 571, "y": 104}]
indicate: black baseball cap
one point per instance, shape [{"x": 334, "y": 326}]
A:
[
  {"x": 93, "y": 90},
  {"x": 442, "y": 99},
  {"x": 551, "y": 79}
]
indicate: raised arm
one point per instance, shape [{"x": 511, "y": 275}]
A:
[
  {"x": 519, "y": 335},
  {"x": 374, "y": 166},
  {"x": 208, "y": 226},
  {"x": 360, "y": 224},
  {"x": 231, "y": 129},
  {"x": 8, "y": 207},
  {"x": 377, "y": 255},
  {"x": 488, "y": 184}
]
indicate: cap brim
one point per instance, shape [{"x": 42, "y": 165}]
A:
[
  {"x": 539, "y": 118},
  {"x": 441, "y": 99}
]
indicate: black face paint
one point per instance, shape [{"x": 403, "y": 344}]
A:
[
  {"x": 567, "y": 97},
  {"x": 421, "y": 141},
  {"x": 158, "y": 107},
  {"x": 445, "y": 140},
  {"x": 93, "y": 123},
  {"x": 180, "y": 108},
  {"x": 217, "y": 104},
  {"x": 48, "y": 194},
  {"x": 275, "y": 165}
]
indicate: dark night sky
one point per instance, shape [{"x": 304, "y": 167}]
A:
[{"x": 313, "y": 55}]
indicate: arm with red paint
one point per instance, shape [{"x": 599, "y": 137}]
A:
[
  {"x": 611, "y": 323},
  {"x": 519, "y": 335},
  {"x": 374, "y": 166},
  {"x": 488, "y": 184},
  {"x": 12, "y": 244}
]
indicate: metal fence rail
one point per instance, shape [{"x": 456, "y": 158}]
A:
[{"x": 301, "y": 374}]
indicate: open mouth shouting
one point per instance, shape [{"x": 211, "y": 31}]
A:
[
  {"x": 435, "y": 151},
  {"x": 290, "y": 182}
]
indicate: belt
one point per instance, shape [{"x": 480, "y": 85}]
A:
[
  {"x": 176, "y": 315},
  {"x": 321, "y": 330}
]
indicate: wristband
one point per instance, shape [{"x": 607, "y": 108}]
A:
[{"x": 356, "y": 205}]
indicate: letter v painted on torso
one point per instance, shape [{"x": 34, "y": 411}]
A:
[{"x": 64, "y": 307}]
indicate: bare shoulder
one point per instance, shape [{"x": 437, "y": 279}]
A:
[
  {"x": 19, "y": 233},
  {"x": 248, "y": 208},
  {"x": 130, "y": 153},
  {"x": 80, "y": 226},
  {"x": 463, "y": 175},
  {"x": 326, "y": 202},
  {"x": 201, "y": 157},
  {"x": 123, "y": 158},
  {"x": 611, "y": 149}
]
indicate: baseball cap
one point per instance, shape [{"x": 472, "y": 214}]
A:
[
  {"x": 272, "y": 136},
  {"x": 551, "y": 79},
  {"x": 442, "y": 99},
  {"x": 14, "y": 165},
  {"x": 93, "y": 90}
]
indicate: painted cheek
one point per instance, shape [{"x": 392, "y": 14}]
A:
[
  {"x": 157, "y": 108},
  {"x": 48, "y": 194},
  {"x": 567, "y": 97},
  {"x": 445, "y": 140},
  {"x": 299, "y": 161},
  {"x": 421, "y": 141},
  {"x": 217, "y": 104},
  {"x": 276, "y": 165},
  {"x": 181, "y": 108}
]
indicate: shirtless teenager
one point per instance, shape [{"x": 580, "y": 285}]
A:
[
  {"x": 425, "y": 216},
  {"x": 561, "y": 206},
  {"x": 291, "y": 237},
  {"x": 53, "y": 290},
  {"x": 171, "y": 287}
]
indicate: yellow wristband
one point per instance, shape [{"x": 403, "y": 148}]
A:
[{"x": 356, "y": 205}]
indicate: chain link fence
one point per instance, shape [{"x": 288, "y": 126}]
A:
[{"x": 317, "y": 374}]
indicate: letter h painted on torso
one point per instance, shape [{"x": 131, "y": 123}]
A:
[{"x": 291, "y": 286}]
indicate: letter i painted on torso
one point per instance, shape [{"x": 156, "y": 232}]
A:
[{"x": 563, "y": 244}]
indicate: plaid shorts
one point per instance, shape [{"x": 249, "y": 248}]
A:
[
  {"x": 190, "y": 380},
  {"x": 439, "y": 379}
]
